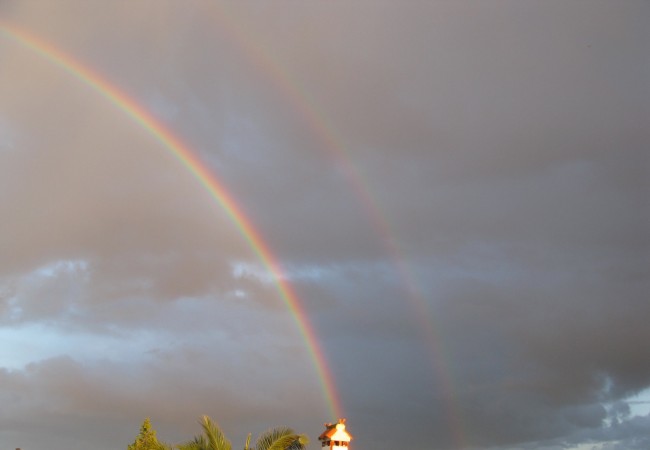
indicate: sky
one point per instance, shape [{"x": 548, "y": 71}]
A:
[{"x": 448, "y": 222}]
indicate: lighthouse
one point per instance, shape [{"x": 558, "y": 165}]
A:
[{"x": 335, "y": 437}]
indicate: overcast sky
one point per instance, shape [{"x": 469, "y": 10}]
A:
[{"x": 456, "y": 190}]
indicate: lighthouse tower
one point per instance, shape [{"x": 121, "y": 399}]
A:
[{"x": 335, "y": 437}]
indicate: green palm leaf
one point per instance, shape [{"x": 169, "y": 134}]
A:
[
  {"x": 215, "y": 437},
  {"x": 198, "y": 443},
  {"x": 281, "y": 438},
  {"x": 211, "y": 439}
]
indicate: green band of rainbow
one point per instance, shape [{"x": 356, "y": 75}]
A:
[{"x": 210, "y": 183}]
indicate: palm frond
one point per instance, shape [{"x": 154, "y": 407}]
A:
[
  {"x": 303, "y": 441},
  {"x": 281, "y": 438},
  {"x": 216, "y": 439},
  {"x": 266, "y": 439},
  {"x": 198, "y": 443}
]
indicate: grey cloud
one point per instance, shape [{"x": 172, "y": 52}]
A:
[{"x": 503, "y": 146}]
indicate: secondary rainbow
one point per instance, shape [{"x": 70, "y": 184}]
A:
[
  {"x": 317, "y": 122},
  {"x": 206, "y": 178}
]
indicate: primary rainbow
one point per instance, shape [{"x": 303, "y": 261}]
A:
[{"x": 206, "y": 178}]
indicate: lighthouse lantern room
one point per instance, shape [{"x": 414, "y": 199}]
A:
[{"x": 335, "y": 437}]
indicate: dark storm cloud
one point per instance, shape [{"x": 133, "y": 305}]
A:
[{"x": 531, "y": 166}]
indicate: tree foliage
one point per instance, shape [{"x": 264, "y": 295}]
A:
[
  {"x": 147, "y": 440},
  {"x": 211, "y": 439},
  {"x": 281, "y": 438}
]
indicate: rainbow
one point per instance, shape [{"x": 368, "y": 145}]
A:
[
  {"x": 210, "y": 183},
  {"x": 316, "y": 121}
]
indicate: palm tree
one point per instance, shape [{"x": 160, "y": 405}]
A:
[
  {"x": 281, "y": 438},
  {"x": 211, "y": 439}
]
